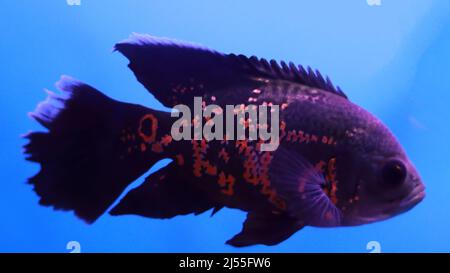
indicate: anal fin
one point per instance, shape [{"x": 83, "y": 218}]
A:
[
  {"x": 267, "y": 229},
  {"x": 164, "y": 194}
]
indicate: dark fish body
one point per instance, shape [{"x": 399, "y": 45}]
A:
[
  {"x": 335, "y": 165},
  {"x": 311, "y": 126}
]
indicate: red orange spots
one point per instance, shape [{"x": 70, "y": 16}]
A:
[
  {"x": 222, "y": 180},
  {"x": 320, "y": 166},
  {"x": 266, "y": 190},
  {"x": 256, "y": 169},
  {"x": 331, "y": 178},
  {"x": 251, "y": 179},
  {"x": 248, "y": 151},
  {"x": 210, "y": 169},
  {"x": 247, "y": 123},
  {"x": 331, "y": 174},
  {"x": 203, "y": 146},
  {"x": 302, "y": 137},
  {"x": 331, "y": 141},
  {"x": 242, "y": 145},
  {"x": 306, "y": 138},
  {"x": 180, "y": 159},
  {"x": 278, "y": 201},
  {"x": 258, "y": 144},
  {"x": 149, "y": 138},
  {"x": 292, "y": 136},
  {"x": 199, "y": 150},
  {"x": 266, "y": 158},
  {"x": 250, "y": 170},
  {"x": 228, "y": 182},
  {"x": 224, "y": 155},
  {"x": 282, "y": 129},
  {"x": 157, "y": 147},
  {"x": 143, "y": 147},
  {"x": 197, "y": 170},
  {"x": 166, "y": 140}
]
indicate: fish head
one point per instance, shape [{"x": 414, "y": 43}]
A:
[{"x": 387, "y": 182}]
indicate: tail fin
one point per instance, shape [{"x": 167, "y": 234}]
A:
[{"x": 95, "y": 147}]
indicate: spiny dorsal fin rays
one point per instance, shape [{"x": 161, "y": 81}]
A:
[
  {"x": 298, "y": 74},
  {"x": 176, "y": 71}
]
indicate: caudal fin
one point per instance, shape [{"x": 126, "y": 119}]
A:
[{"x": 95, "y": 147}]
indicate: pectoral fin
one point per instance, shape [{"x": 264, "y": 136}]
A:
[{"x": 297, "y": 181}]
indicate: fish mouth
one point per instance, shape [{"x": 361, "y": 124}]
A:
[
  {"x": 414, "y": 198},
  {"x": 396, "y": 208}
]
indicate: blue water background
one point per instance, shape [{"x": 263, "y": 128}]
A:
[{"x": 393, "y": 60}]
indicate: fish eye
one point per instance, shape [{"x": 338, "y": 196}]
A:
[{"x": 394, "y": 172}]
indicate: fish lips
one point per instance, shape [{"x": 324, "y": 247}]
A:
[
  {"x": 414, "y": 198},
  {"x": 398, "y": 207},
  {"x": 405, "y": 204}
]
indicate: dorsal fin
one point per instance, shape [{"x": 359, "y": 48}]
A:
[
  {"x": 176, "y": 71},
  {"x": 289, "y": 72}
]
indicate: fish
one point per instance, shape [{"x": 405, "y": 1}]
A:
[{"x": 335, "y": 165}]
